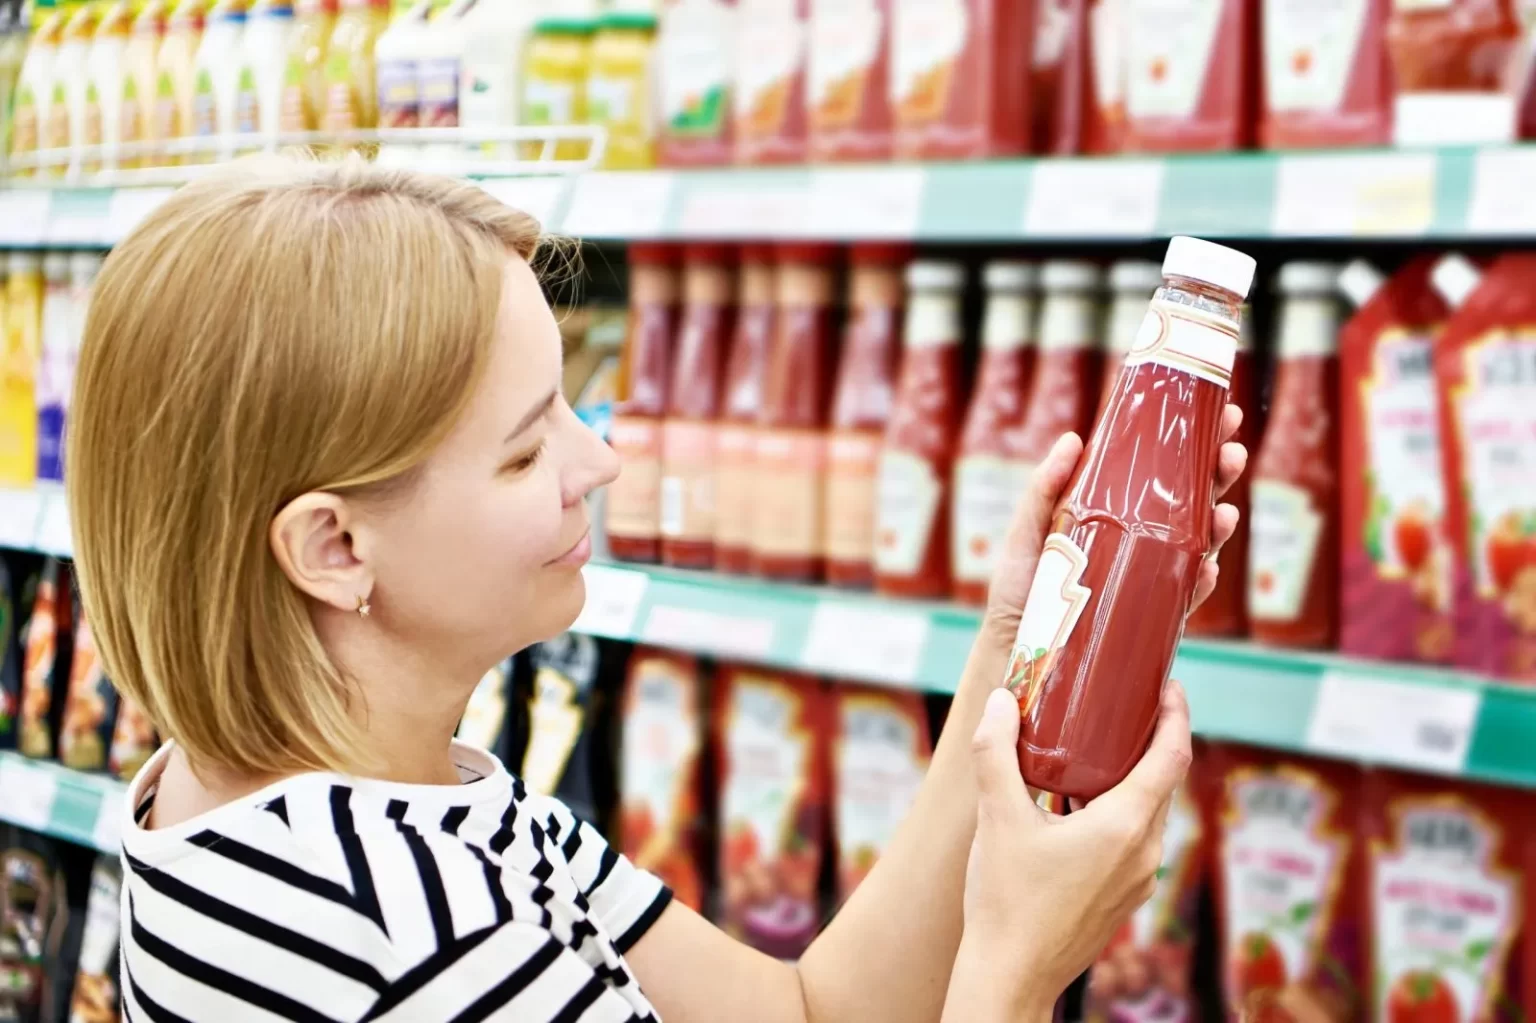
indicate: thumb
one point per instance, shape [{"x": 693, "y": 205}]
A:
[{"x": 994, "y": 753}]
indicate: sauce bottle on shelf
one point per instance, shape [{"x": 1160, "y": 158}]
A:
[
  {"x": 693, "y": 402},
  {"x": 917, "y": 457},
  {"x": 1293, "y": 566},
  {"x": 137, "y": 111},
  {"x": 987, "y": 482},
  {"x": 1327, "y": 79},
  {"x": 619, "y": 92},
  {"x": 1065, "y": 390},
  {"x": 848, "y": 90},
  {"x": 1131, "y": 284},
  {"x": 695, "y": 47},
  {"x": 1106, "y": 608},
  {"x": 351, "y": 90},
  {"x": 634, "y": 499},
  {"x": 1053, "y": 30},
  {"x": 304, "y": 65},
  {"x": 861, "y": 407},
  {"x": 769, "y": 97},
  {"x": 741, "y": 405},
  {"x": 1453, "y": 65},
  {"x": 790, "y": 448},
  {"x": 1191, "y": 74}
]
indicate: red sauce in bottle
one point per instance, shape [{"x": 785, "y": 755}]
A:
[
  {"x": 1065, "y": 391},
  {"x": 1115, "y": 578},
  {"x": 849, "y": 81},
  {"x": 1293, "y": 565},
  {"x": 741, "y": 406},
  {"x": 634, "y": 499},
  {"x": 1191, "y": 74},
  {"x": 1131, "y": 284},
  {"x": 1327, "y": 79},
  {"x": 688, "y": 437},
  {"x": 790, "y": 448},
  {"x": 987, "y": 482},
  {"x": 769, "y": 85},
  {"x": 861, "y": 407},
  {"x": 917, "y": 457},
  {"x": 1467, "y": 52}
]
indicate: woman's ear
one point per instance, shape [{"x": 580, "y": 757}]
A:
[{"x": 312, "y": 539}]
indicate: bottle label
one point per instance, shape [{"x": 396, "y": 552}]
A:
[
  {"x": 1309, "y": 52},
  {"x": 787, "y": 487},
  {"x": 399, "y": 95},
  {"x": 1068, "y": 321},
  {"x": 610, "y": 99},
  {"x": 1057, "y": 599},
  {"x": 1283, "y": 545},
  {"x": 1008, "y": 322},
  {"x": 906, "y": 502},
  {"x": 766, "y": 69},
  {"x": 439, "y": 84},
  {"x": 661, "y": 747},
  {"x": 987, "y": 490},
  {"x": 1171, "y": 45},
  {"x": 1185, "y": 339},
  {"x": 879, "y": 767},
  {"x": 688, "y": 480},
  {"x": 928, "y": 41},
  {"x": 854, "y": 457},
  {"x": 845, "y": 43},
  {"x": 633, "y": 498},
  {"x": 735, "y": 489},
  {"x": 548, "y": 102},
  {"x": 694, "y": 51},
  {"x": 554, "y": 724}
]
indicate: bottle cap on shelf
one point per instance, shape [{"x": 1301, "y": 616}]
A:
[
  {"x": 84, "y": 265},
  {"x": 56, "y": 265},
  {"x": 1135, "y": 275},
  {"x": 1069, "y": 275},
  {"x": 1010, "y": 275},
  {"x": 932, "y": 274},
  {"x": 1455, "y": 277},
  {"x": 1358, "y": 281},
  {"x": 1307, "y": 279},
  {"x": 23, "y": 262},
  {"x": 1206, "y": 261}
]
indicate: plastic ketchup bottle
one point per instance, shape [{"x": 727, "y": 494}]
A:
[
  {"x": 1293, "y": 554},
  {"x": 1132, "y": 283},
  {"x": 916, "y": 461},
  {"x": 1106, "y": 608},
  {"x": 861, "y": 407},
  {"x": 741, "y": 404},
  {"x": 987, "y": 483}
]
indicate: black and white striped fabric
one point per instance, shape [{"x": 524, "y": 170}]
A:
[{"x": 325, "y": 898}]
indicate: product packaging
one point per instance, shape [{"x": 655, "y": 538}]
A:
[
  {"x": 45, "y": 671},
  {"x": 1327, "y": 77},
  {"x": 741, "y": 405},
  {"x": 90, "y": 707},
  {"x": 96, "y": 995},
  {"x": 770, "y": 78},
  {"x": 880, "y": 753},
  {"x": 1191, "y": 74},
  {"x": 562, "y": 757},
  {"x": 1458, "y": 68},
  {"x": 133, "y": 740},
  {"x": 486, "y": 715},
  {"x": 695, "y": 67}
]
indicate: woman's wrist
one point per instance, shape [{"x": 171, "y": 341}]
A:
[{"x": 988, "y": 983}]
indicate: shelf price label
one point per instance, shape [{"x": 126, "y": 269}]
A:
[
  {"x": 26, "y": 794},
  {"x": 709, "y": 632},
  {"x": 1381, "y": 194},
  {"x": 873, "y": 203},
  {"x": 129, "y": 207},
  {"x": 107, "y": 835},
  {"x": 19, "y": 511},
  {"x": 619, "y": 204},
  {"x": 1501, "y": 192},
  {"x": 24, "y": 216},
  {"x": 54, "y": 535},
  {"x": 539, "y": 197},
  {"x": 613, "y": 601},
  {"x": 1377, "y": 720},
  {"x": 874, "y": 644},
  {"x": 1094, "y": 199}
]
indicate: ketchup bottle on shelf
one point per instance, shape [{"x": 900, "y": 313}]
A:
[
  {"x": 634, "y": 499},
  {"x": 1191, "y": 74},
  {"x": 987, "y": 483},
  {"x": 1131, "y": 283},
  {"x": 861, "y": 406},
  {"x": 693, "y": 402},
  {"x": 917, "y": 458},
  {"x": 1065, "y": 390},
  {"x": 741, "y": 404},
  {"x": 790, "y": 448},
  {"x": 1293, "y": 557},
  {"x": 1106, "y": 608}
]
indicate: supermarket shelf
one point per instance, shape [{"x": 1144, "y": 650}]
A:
[
  {"x": 1440, "y": 722},
  {"x": 1449, "y": 192},
  {"x": 82, "y": 808}
]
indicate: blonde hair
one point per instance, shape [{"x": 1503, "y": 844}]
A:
[{"x": 278, "y": 327}]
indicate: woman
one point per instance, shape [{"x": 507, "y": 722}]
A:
[{"x": 322, "y": 478}]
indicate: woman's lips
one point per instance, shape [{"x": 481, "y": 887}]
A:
[{"x": 580, "y": 552}]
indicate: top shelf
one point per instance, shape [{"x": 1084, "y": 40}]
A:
[{"x": 1447, "y": 193}]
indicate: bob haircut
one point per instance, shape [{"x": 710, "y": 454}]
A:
[{"x": 277, "y": 327}]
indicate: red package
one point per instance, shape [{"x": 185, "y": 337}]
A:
[
  {"x": 880, "y": 753},
  {"x": 1445, "y": 899},
  {"x": 848, "y": 87},
  {"x": 1327, "y": 77},
  {"x": 1289, "y": 885},
  {"x": 772, "y": 730},
  {"x": 1190, "y": 74},
  {"x": 661, "y": 802},
  {"x": 1089, "y": 115},
  {"x": 769, "y": 98}
]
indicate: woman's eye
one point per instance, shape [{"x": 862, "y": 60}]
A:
[{"x": 527, "y": 461}]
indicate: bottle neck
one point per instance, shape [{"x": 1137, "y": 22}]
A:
[
  {"x": 1309, "y": 327},
  {"x": 1126, "y": 312},
  {"x": 1008, "y": 323},
  {"x": 1067, "y": 321},
  {"x": 933, "y": 320}
]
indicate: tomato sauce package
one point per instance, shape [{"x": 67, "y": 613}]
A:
[
  {"x": 1395, "y": 603},
  {"x": 1048, "y": 68},
  {"x": 1446, "y": 899},
  {"x": 741, "y": 404},
  {"x": 1458, "y": 66},
  {"x": 90, "y": 705},
  {"x": 960, "y": 78},
  {"x": 695, "y": 51},
  {"x": 861, "y": 407},
  {"x": 917, "y": 457},
  {"x": 133, "y": 740},
  {"x": 661, "y": 804},
  {"x": 1327, "y": 77},
  {"x": 1190, "y": 74},
  {"x": 1485, "y": 367},
  {"x": 880, "y": 752},
  {"x": 848, "y": 84},
  {"x": 45, "y": 670},
  {"x": 770, "y": 80},
  {"x": 1290, "y": 886},
  {"x": 1090, "y": 92},
  {"x": 772, "y": 729}
]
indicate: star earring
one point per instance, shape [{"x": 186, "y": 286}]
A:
[{"x": 363, "y": 607}]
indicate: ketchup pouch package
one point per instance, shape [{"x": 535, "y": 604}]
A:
[
  {"x": 96, "y": 993},
  {"x": 1327, "y": 79},
  {"x": 10, "y": 652},
  {"x": 773, "y": 780},
  {"x": 660, "y": 803},
  {"x": 133, "y": 740},
  {"x": 880, "y": 753},
  {"x": 1396, "y": 600},
  {"x": 1190, "y": 74},
  {"x": 1445, "y": 884},
  {"x": 564, "y": 711},
  {"x": 45, "y": 670},
  {"x": 1289, "y": 876},
  {"x": 1485, "y": 367}
]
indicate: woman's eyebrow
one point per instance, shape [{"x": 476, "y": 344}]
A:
[{"x": 532, "y": 414}]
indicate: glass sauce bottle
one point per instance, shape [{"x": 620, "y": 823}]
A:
[
  {"x": 917, "y": 457},
  {"x": 1106, "y": 608},
  {"x": 1131, "y": 283},
  {"x": 741, "y": 404}
]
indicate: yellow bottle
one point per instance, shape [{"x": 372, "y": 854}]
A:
[
  {"x": 140, "y": 66},
  {"x": 351, "y": 92},
  {"x": 304, "y": 65},
  {"x": 18, "y": 370},
  {"x": 33, "y": 110},
  {"x": 619, "y": 93},
  {"x": 555, "y": 80},
  {"x": 176, "y": 75}
]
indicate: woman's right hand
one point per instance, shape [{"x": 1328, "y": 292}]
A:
[{"x": 1044, "y": 894}]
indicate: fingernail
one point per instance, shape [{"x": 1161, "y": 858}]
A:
[{"x": 1000, "y": 702}]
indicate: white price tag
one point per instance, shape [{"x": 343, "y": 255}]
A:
[
  {"x": 1360, "y": 194},
  {"x": 709, "y": 632},
  {"x": 619, "y": 205},
  {"x": 1380, "y": 721},
  {"x": 24, "y": 216},
  {"x": 872, "y": 203},
  {"x": 19, "y": 511},
  {"x": 128, "y": 209},
  {"x": 613, "y": 601},
  {"x": 1501, "y": 193},
  {"x": 53, "y": 527},
  {"x": 865, "y": 643},
  {"x": 1094, "y": 199},
  {"x": 26, "y": 794},
  {"x": 731, "y": 211},
  {"x": 536, "y": 196},
  {"x": 107, "y": 835},
  {"x": 77, "y": 222}
]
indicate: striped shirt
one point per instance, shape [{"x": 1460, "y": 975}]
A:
[{"x": 328, "y": 898}]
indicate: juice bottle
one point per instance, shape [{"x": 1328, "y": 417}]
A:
[
  {"x": 741, "y": 406},
  {"x": 848, "y": 90},
  {"x": 1114, "y": 582},
  {"x": 304, "y": 65},
  {"x": 620, "y": 96},
  {"x": 217, "y": 85},
  {"x": 769, "y": 97},
  {"x": 1293, "y": 567},
  {"x": 497, "y": 33},
  {"x": 440, "y": 70},
  {"x": 634, "y": 499},
  {"x": 1327, "y": 78},
  {"x": 917, "y": 457},
  {"x": 987, "y": 483},
  {"x": 13, "y": 52},
  {"x": 32, "y": 114},
  {"x": 140, "y": 63},
  {"x": 1131, "y": 283},
  {"x": 695, "y": 47},
  {"x": 396, "y": 71},
  {"x": 53, "y": 367},
  {"x": 72, "y": 79},
  {"x": 23, "y": 347},
  {"x": 269, "y": 32},
  {"x": 693, "y": 402},
  {"x": 104, "y": 91},
  {"x": 351, "y": 87},
  {"x": 175, "y": 75},
  {"x": 1191, "y": 74},
  {"x": 555, "y": 74},
  {"x": 790, "y": 449},
  {"x": 861, "y": 407}
]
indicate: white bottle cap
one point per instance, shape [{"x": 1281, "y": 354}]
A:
[
  {"x": 1218, "y": 265},
  {"x": 935, "y": 275},
  {"x": 1307, "y": 279},
  {"x": 56, "y": 266},
  {"x": 1359, "y": 281},
  {"x": 1009, "y": 275},
  {"x": 1069, "y": 275},
  {"x": 1455, "y": 277},
  {"x": 83, "y": 266},
  {"x": 22, "y": 262},
  {"x": 1135, "y": 275}
]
